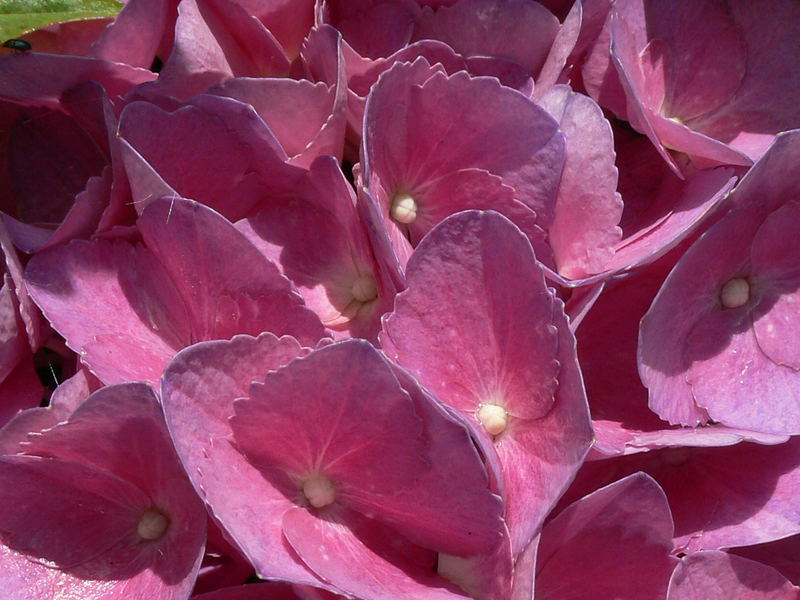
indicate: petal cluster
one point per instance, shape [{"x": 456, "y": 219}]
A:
[{"x": 402, "y": 299}]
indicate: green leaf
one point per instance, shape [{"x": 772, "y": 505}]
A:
[{"x": 20, "y": 16}]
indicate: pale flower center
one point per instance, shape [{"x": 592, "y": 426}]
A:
[
  {"x": 735, "y": 293},
  {"x": 319, "y": 491},
  {"x": 404, "y": 208},
  {"x": 493, "y": 417},
  {"x": 365, "y": 289},
  {"x": 152, "y": 524}
]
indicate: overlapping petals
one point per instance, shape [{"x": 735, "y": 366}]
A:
[{"x": 419, "y": 299}]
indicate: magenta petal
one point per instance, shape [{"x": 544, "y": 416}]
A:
[
  {"x": 454, "y": 287},
  {"x": 713, "y": 575},
  {"x": 46, "y": 76},
  {"x": 708, "y": 359},
  {"x": 588, "y": 208},
  {"x": 321, "y": 244},
  {"x": 137, "y": 33},
  {"x": 783, "y": 555},
  {"x": 228, "y": 286},
  {"x": 775, "y": 260},
  {"x": 121, "y": 451},
  {"x": 515, "y": 30},
  {"x": 720, "y": 497},
  {"x": 267, "y": 591},
  {"x": 470, "y": 523},
  {"x": 230, "y": 145},
  {"x": 214, "y": 41},
  {"x": 307, "y": 119},
  {"x": 290, "y": 423},
  {"x": 613, "y": 543},
  {"x": 198, "y": 390},
  {"x": 126, "y": 296},
  {"x": 447, "y": 123},
  {"x": 472, "y": 283},
  {"x": 355, "y": 555},
  {"x": 65, "y": 512}
]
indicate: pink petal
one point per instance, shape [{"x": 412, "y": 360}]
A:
[
  {"x": 141, "y": 30},
  {"x": 775, "y": 259},
  {"x": 613, "y": 543},
  {"x": 44, "y": 77},
  {"x": 292, "y": 424},
  {"x": 236, "y": 150},
  {"x": 783, "y": 555},
  {"x": 289, "y": 22},
  {"x": 214, "y": 41},
  {"x": 588, "y": 208},
  {"x": 373, "y": 29},
  {"x": 227, "y": 285},
  {"x": 563, "y": 45},
  {"x": 127, "y": 297},
  {"x": 296, "y": 111},
  {"x": 198, "y": 390},
  {"x": 71, "y": 37},
  {"x": 720, "y": 497},
  {"x": 68, "y": 513},
  {"x": 359, "y": 559},
  {"x": 444, "y": 128},
  {"x": 485, "y": 359},
  {"x": 715, "y": 575},
  {"x": 339, "y": 433},
  {"x": 320, "y": 243},
  {"x": 118, "y": 434},
  {"x": 519, "y": 31}
]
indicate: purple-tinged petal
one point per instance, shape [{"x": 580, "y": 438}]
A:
[
  {"x": 588, "y": 208},
  {"x": 372, "y": 29},
  {"x": 198, "y": 390},
  {"x": 321, "y": 244},
  {"x": 233, "y": 153},
  {"x": 226, "y": 284},
  {"x": 722, "y": 497},
  {"x": 564, "y": 44},
  {"x": 40, "y": 79},
  {"x": 214, "y": 41},
  {"x": 613, "y": 543},
  {"x": 289, "y": 425},
  {"x": 477, "y": 266},
  {"x": 141, "y": 30},
  {"x": 136, "y": 313},
  {"x": 783, "y": 555},
  {"x": 714, "y": 575},
  {"x": 515, "y": 30},
  {"x": 358, "y": 557}
]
